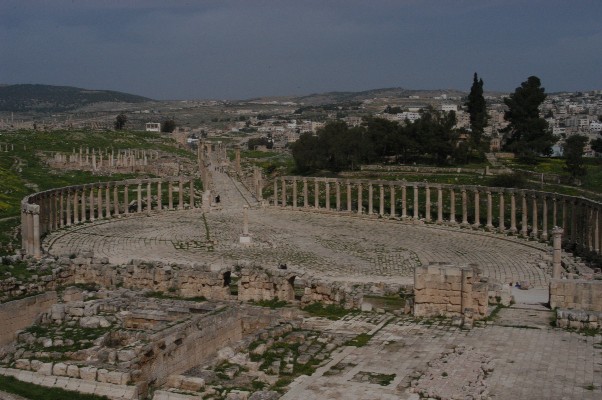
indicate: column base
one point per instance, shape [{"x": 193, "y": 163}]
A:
[{"x": 245, "y": 239}]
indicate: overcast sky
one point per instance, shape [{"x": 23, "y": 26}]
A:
[{"x": 241, "y": 49}]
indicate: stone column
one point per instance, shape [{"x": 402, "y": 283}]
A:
[
  {"x": 554, "y": 211},
  {"x": 544, "y": 222},
  {"x": 83, "y": 204},
  {"x": 427, "y": 212},
  {"x": 149, "y": 199},
  {"x": 327, "y": 191},
  {"x": 381, "y": 211},
  {"x": 392, "y": 200},
  {"x": 170, "y": 194},
  {"x": 359, "y": 198},
  {"x": 92, "y": 211},
  {"x": 501, "y": 222},
  {"x": 452, "y": 206},
  {"x": 513, "y": 212},
  {"x": 316, "y": 193},
  {"x": 116, "y": 201},
  {"x": 75, "y": 206},
  {"x": 404, "y": 202},
  {"x": 24, "y": 227},
  {"x": 181, "y": 194},
  {"x": 416, "y": 202},
  {"x": 283, "y": 185},
  {"x": 61, "y": 223},
  {"x": 294, "y": 193},
  {"x": 55, "y": 211},
  {"x": 36, "y": 231},
  {"x": 557, "y": 252},
  {"x": 439, "y": 205},
  {"x": 477, "y": 209},
  {"x": 305, "y": 194},
  {"x": 69, "y": 216},
  {"x": 348, "y": 196},
  {"x": 108, "y": 201},
  {"x": 370, "y": 193},
  {"x": 337, "y": 189},
  {"x": 191, "y": 194},
  {"x": 534, "y": 231},
  {"x": 489, "y": 211},
  {"x": 139, "y": 197},
  {"x": 159, "y": 196},
  {"x": 276, "y": 192},
  {"x": 464, "y": 207},
  {"x": 525, "y": 220},
  {"x": 99, "y": 202}
]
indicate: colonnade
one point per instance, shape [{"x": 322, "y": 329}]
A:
[
  {"x": 53, "y": 209},
  {"x": 528, "y": 213}
]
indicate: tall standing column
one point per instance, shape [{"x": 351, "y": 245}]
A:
[
  {"x": 116, "y": 200},
  {"x": 554, "y": 211},
  {"x": 524, "y": 210},
  {"x": 501, "y": 222},
  {"x": 392, "y": 200},
  {"x": 439, "y": 205},
  {"x": 181, "y": 194},
  {"x": 75, "y": 206},
  {"x": 477, "y": 209},
  {"x": 55, "y": 211},
  {"x": 544, "y": 216},
  {"x": 557, "y": 253},
  {"x": 190, "y": 195},
  {"x": 316, "y": 193},
  {"x": 92, "y": 211},
  {"x": 337, "y": 189},
  {"x": 489, "y": 211},
  {"x": 99, "y": 202},
  {"x": 370, "y": 204},
  {"x": 283, "y": 190},
  {"x": 276, "y": 192},
  {"x": 61, "y": 208},
  {"x": 348, "y": 196},
  {"x": 159, "y": 196},
  {"x": 381, "y": 210},
  {"x": 513, "y": 212},
  {"x": 149, "y": 198},
  {"x": 83, "y": 203},
  {"x": 427, "y": 212},
  {"x": 534, "y": 230},
  {"x": 108, "y": 201},
  {"x": 464, "y": 207},
  {"x": 452, "y": 206},
  {"x": 416, "y": 202},
  {"x": 69, "y": 216},
  {"x": 305, "y": 194},
  {"x": 404, "y": 202},
  {"x": 294, "y": 193},
  {"x": 36, "y": 231},
  {"x": 170, "y": 194},
  {"x": 327, "y": 191},
  {"x": 359, "y": 199}
]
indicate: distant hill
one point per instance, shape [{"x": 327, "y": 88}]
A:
[{"x": 57, "y": 98}]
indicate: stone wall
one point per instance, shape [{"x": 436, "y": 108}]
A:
[
  {"x": 447, "y": 290},
  {"x": 258, "y": 284},
  {"x": 576, "y": 294},
  {"x": 18, "y": 314}
]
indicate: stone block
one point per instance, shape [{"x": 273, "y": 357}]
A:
[
  {"x": 73, "y": 371},
  {"x": 88, "y": 373},
  {"x": 59, "y": 369},
  {"x": 101, "y": 375},
  {"x": 192, "y": 383},
  {"x": 45, "y": 369},
  {"x": 23, "y": 363}
]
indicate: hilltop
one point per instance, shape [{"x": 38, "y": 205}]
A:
[{"x": 48, "y": 98}]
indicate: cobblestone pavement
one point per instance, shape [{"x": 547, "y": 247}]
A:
[
  {"x": 335, "y": 246},
  {"x": 521, "y": 363}
]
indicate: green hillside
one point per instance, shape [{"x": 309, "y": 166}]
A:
[{"x": 57, "y": 98}]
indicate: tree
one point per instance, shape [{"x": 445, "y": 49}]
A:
[
  {"x": 477, "y": 109},
  {"x": 573, "y": 154},
  {"x": 120, "y": 121},
  {"x": 527, "y": 133},
  {"x": 168, "y": 126},
  {"x": 597, "y": 145}
]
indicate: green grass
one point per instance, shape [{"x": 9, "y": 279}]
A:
[
  {"x": 274, "y": 303},
  {"x": 82, "y": 337},
  {"x": 35, "y": 392},
  {"x": 20, "y": 271},
  {"x": 330, "y": 311},
  {"x": 167, "y": 296},
  {"x": 359, "y": 341}
]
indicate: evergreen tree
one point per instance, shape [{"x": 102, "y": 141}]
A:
[
  {"x": 477, "y": 109},
  {"x": 527, "y": 134},
  {"x": 120, "y": 121},
  {"x": 573, "y": 154}
]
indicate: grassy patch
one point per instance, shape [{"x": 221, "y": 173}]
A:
[
  {"x": 274, "y": 303},
  {"x": 330, "y": 311},
  {"x": 168, "y": 296},
  {"x": 359, "y": 341},
  {"x": 31, "y": 391}
]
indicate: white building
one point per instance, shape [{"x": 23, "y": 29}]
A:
[
  {"x": 153, "y": 127},
  {"x": 449, "y": 107}
]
